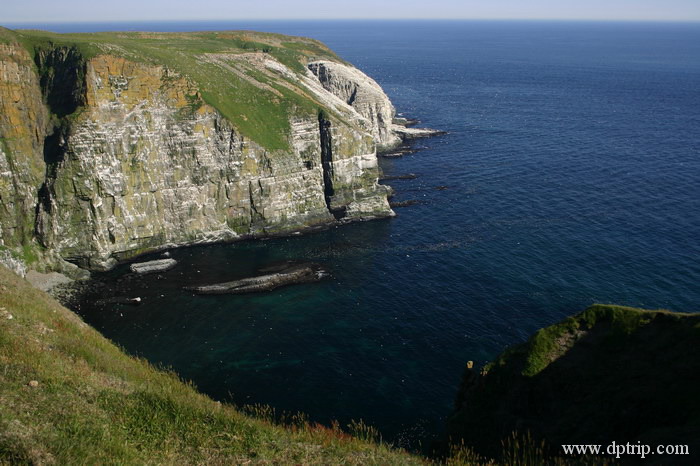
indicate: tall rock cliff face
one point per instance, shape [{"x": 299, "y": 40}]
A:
[
  {"x": 23, "y": 123},
  {"x": 105, "y": 155}
]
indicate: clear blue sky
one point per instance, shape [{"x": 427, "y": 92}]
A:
[{"x": 130, "y": 10}]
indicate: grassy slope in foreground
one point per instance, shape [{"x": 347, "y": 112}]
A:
[
  {"x": 225, "y": 66},
  {"x": 610, "y": 373},
  {"x": 96, "y": 405}
]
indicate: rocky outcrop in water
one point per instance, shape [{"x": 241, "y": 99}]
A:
[
  {"x": 161, "y": 265},
  {"x": 283, "y": 275},
  {"x": 106, "y": 155}
]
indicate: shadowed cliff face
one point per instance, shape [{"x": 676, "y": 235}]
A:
[
  {"x": 608, "y": 374},
  {"x": 326, "y": 138},
  {"x": 62, "y": 78},
  {"x": 134, "y": 158},
  {"x": 61, "y": 73}
]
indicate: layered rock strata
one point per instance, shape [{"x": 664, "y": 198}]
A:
[
  {"x": 367, "y": 98},
  {"x": 105, "y": 157}
]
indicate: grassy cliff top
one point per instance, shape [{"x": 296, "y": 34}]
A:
[
  {"x": 620, "y": 323},
  {"x": 228, "y": 67},
  {"x": 6, "y": 35},
  {"x": 69, "y": 396},
  {"x": 166, "y": 47}
]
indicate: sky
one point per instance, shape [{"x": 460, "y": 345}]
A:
[{"x": 149, "y": 10}]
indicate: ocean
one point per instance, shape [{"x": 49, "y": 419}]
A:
[{"x": 570, "y": 175}]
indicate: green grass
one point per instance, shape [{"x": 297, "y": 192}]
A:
[
  {"x": 545, "y": 346},
  {"x": 29, "y": 254},
  {"x": 259, "y": 113},
  {"x": 96, "y": 405},
  {"x": 6, "y": 36}
]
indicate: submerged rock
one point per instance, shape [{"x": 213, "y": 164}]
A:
[
  {"x": 121, "y": 300},
  {"x": 413, "y": 133},
  {"x": 405, "y": 122},
  {"x": 408, "y": 203},
  {"x": 160, "y": 265},
  {"x": 408, "y": 176},
  {"x": 274, "y": 277}
]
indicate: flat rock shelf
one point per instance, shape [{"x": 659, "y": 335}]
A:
[
  {"x": 272, "y": 277},
  {"x": 160, "y": 265}
]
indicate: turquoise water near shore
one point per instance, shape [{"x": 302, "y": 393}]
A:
[{"x": 572, "y": 175}]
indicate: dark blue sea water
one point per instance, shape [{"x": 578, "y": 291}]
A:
[{"x": 572, "y": 167}]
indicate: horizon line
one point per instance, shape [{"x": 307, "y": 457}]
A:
[{"x": 233, "y": 20}]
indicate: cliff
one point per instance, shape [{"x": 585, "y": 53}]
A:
[
  {"x": 117, "y": 144},
  {"x": 608, "y": 374}
]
